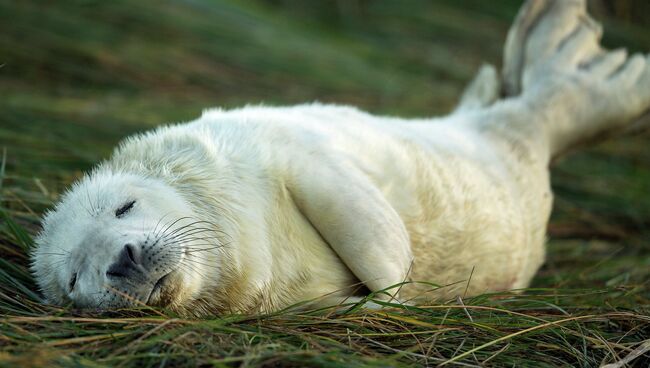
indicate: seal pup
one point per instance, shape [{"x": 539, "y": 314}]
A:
[{"x": 258, "y": 208}]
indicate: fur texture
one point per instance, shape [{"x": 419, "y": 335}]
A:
[{"x": 258, "y": 208}]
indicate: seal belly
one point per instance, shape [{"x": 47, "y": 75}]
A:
[{"x": 463, "y": 213}]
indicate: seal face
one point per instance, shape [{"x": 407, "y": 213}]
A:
[{"x": 119, "y": 239}]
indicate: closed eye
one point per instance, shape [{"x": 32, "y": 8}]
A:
[{"x": 124, "y": 209}]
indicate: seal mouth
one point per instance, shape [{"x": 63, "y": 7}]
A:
[{"x": 156, "y": 290}]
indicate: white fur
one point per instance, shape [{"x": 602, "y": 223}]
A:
[{"x": 307, "y": 201}]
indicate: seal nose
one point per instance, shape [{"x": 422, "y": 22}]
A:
[{"x": 127, "y": 264}]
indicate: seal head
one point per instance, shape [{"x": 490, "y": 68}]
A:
[{"x": 121, "y": 240}]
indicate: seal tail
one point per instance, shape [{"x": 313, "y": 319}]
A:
[
  {"x": 556, "y": 36},
  {"x": 487, "y": 86}
]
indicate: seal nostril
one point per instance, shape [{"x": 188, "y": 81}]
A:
[
  {"x": 127, "y": 263},
  {"x": 130, "y": 252},
  {"x": 110, "y": 273}
]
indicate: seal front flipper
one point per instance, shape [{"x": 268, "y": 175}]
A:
[{"x": 354, "y": 218}]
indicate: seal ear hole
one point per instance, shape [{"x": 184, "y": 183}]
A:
[
  {"x": 124, "y": 209},
  {"x": 73, "y": 281}
]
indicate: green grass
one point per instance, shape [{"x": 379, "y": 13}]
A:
[{"x": 77, "y": 76}]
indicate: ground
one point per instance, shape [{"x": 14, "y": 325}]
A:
[{"x": 78, "y": 76}]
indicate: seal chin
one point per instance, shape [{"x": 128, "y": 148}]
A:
[
  {"x": 162, "y": 291},
  {"x": 157, "y": 290}
]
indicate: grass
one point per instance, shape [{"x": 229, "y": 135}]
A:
[{"x": 79, "y": 75}]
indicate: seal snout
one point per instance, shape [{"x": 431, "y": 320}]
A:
[
  {"x": 128, "y": 263},
  {"x": 140, "y": 271}
]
